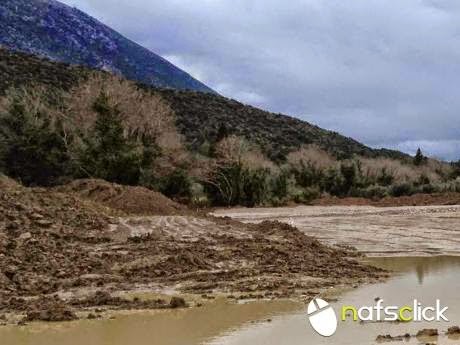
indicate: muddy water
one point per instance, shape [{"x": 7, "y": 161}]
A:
[
  {"x": 223, "y": 323},
  {"x": 423, "y": 278},
  {"x": 172, "y": 327}
]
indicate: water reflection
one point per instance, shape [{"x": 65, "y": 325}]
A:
[{"x": 421, "y": 266}]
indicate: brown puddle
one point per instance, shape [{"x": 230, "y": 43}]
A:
[
  {"x": 224, "y": 323},
  {"x": 172, "y": 327}
]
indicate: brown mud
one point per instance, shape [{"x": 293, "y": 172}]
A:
[
  {"x": 62, "y": 254},
  {"x": 129, "y": 199}
]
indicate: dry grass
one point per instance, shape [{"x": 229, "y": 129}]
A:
[
  {"x": 313, "y": 156},
  {"x": 433, "y": 169},
  {"x": 235, "y": 149}
]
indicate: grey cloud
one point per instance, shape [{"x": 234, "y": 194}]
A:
[{"x": 383, "y": 72}]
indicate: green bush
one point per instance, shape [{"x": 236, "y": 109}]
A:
[
  {"x": 31, "y": 148},
  {"x": 176, "y": 185},
  {"x": 350, "y": 178},
  {"x": 224, "y": 187},
  {"x": 308, "y": 175},
  {"x": 255, "y": 187},
  {"x": 455, "y": 172},
  {"x": 385, "y": 179},
  {"x": 374, "y": 192},
  {"x": 402, "y": 189},
  {"x": 280, "y": 185},
  {"x": 332, "y": 182},
  {"x": 232, "y": 184},
  {"x": 422, "y": 180},
  {"x": 306, "y": 195},
  {"x": 428, "y": 188}
]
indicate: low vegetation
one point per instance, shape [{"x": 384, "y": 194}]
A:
[{"x": 112, "y": 129}]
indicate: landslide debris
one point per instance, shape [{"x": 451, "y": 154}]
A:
[
  {"x": 129, "y": 199},
  {"x": 60, "y": 254}
]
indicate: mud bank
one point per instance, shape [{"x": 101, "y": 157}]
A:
[
  {"x": 224, "y": 322},
  {"x": 61, "y": 255}
]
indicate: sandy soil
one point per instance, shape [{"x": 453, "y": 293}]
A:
[{"x": 375, "y": 231}]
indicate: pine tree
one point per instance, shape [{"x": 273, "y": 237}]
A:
[
  {"x": 419, "y": 158},
  {"x": 109, "y": 154}
]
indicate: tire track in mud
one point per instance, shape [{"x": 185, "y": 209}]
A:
[{"x": 179, "y": 227}]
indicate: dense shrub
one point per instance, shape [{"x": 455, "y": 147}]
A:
[
  {"x": 31, "y": 147},
  {"x": 305, "y": 195},
  {"x": 455, "y": 172},
  {"x": 385, "y": 178},
  {"x": 280, "y": 185},
  {"x": 110, "y": 129},
  {"x": 255, "y": 187},
  {"x": 373, "y": 192},
  {"x": 307, "y": 174},
  {"x": 402, "y": 189},
  {"x": 176, "y": 185},
  {"x": 234, "y": 184}
]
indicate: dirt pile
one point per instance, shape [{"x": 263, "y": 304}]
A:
[
  {"x": 7, "y": 183},
  {"x": 131, "y": 200},
  {"x": 44, "y": 238},
  {"x": 57, "y": 249},
  {"x": 270, "y": 259}
]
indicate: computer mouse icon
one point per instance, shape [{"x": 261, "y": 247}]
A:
[{"x": 322, "y": 317}]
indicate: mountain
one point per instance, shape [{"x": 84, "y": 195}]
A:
[
  {"x": 199, "y": 116},
  {"x": 51, "y": 29}
]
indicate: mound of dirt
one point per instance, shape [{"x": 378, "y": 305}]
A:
[
  {"x": 131, "y": 200},
  {"x": 270, "y": 259},
  {"x": 44, "y": 235},
  {"x": 53, "y": 242},
  {"x": 7, "y": 183}
]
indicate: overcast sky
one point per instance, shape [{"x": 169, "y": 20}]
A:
[{"x": 384, "y": 72}]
